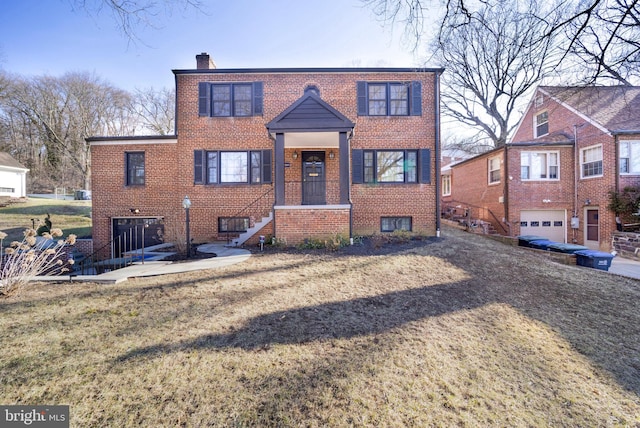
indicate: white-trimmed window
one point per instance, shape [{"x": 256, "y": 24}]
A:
[
  {"x": 446, "y": 185},
  {"x": 494, "y": 170},
  {"x": 591, "y": 161},
  {"x": 630, "y": 157},
  {"x": 541, "y": 125},
  {"x": 539, "y": 165}
]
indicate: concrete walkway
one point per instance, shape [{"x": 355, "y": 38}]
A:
[
  {"x": 227, "y": 256},
  {"x": 625, "y": 267},
  {"x": 224, "y": 257}
]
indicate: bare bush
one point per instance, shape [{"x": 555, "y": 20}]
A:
[{"x": 33, "y": 256}]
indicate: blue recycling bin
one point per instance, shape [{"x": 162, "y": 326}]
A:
[
  {"x": 559, "y": 247},
  {"x": 594, "y": 259},
  {"x": 541, "y": 244},
  {"x": 525, "y": 240}
]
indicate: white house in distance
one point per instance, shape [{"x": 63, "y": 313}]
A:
[{"x": 13, "y": 177}]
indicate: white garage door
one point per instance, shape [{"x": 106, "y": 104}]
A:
[{"x": 548, "y": 223}]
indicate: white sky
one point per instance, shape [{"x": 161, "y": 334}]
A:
[{"x": 40, "y": 37}]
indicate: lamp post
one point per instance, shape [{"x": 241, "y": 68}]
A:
[{"x": 186, "y": 204}]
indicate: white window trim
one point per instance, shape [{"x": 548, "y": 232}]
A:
[
  {"x": 631, "y": 142},
  {"x": 446, "y": 177},
  {"x": 541, "y": 153},
  {"x": 582, "y": 176},
  {"x": 535, "y": 124},
  {"x": 491, "y": 170}
]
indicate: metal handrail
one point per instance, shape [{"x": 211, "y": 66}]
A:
[{"x": 93, "y": 262}]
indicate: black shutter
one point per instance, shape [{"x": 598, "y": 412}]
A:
[
  {"x": 266, "y": 166},
  {"x": 416, "y": 98},
  {"x": 204, "y": 99},
  {"x": 357, "y": 165},
  {"x": 425, "y": 166},
  {"x": 257, "y": 98},
  {"x": 198, "y": 167},
  {"x": 362, "y": 99}
]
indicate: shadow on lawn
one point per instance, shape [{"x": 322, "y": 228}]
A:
[
  {"x": 345, "y": 319},
  {"x": 379, "y": 314},
  {"x": 594, "y": 331}
]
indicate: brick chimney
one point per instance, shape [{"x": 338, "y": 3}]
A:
[{"x": 204, "y": 61}]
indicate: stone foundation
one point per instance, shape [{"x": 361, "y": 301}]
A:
[{"x": 627, "y": 244}]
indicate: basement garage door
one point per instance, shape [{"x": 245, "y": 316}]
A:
[{"x": 548, "y": 223}]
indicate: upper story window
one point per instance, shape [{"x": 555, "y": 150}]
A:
[
  {"x": 446, "y": 185},
  {"x": 542, "y": 124},
  {"x": 232, "y": 167},
  {"x": 494, "y": 170},
  {"x": 230, "y": 99},
  {"x": 134, "y": 167},
  {"x": 539, "y": 165},
  {"x": 389, "y": 98},
  {"x": 391, "y": 166},
  {"x": 629, "y": 157},
  {"x": 591, "y": 161}
]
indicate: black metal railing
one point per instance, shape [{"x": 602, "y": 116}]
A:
[
  {"x": 122, "y": 247},
  {"x": 261, "y": 205}
]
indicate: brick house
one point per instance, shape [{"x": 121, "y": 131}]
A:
[
  {"x": 571, "y": 148},
  {"x": 286, "y": 153}
]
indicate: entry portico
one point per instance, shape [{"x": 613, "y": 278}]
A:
[{"x": 311, "y": 166}]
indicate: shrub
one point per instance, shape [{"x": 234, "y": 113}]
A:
[{"x": 31, "y": 257}]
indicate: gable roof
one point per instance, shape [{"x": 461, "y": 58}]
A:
[
  {"x": 7, "y": 160},
  {"x": 616, "y": 109},
  {"x": 310, "y": 113}
]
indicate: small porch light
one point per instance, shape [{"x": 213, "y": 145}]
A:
[
  {"x": 295, "y": 155},
  {"x": 331, "y": 155}
]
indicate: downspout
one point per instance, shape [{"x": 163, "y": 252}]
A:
[
  {"x": 505, "y": 193},
  {"x": 576, "y": 166},
  {"x": 616, "y": 148},
  {"x": 436, "y": 96}
]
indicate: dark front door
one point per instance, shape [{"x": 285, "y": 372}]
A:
[{"x": 313, "y": 179}]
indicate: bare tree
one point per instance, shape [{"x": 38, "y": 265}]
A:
[
  {"x": 46, "y": 120},
  {"x": 493, "y": 57},
  {"x": 496, "y": 51},
  {"x": 129, "y": 15},
  {"x": 155, "y": 110},
  {"x": 603, "y": 40}
]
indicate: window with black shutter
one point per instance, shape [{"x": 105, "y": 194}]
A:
[
  {"x": 232, "y": 167},
  {"x": 230, "y": 99},
  {"x": 389, "y": 98}
]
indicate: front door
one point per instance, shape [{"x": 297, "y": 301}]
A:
[
  {"x": 592, "y": 232},
  {"x": 313, "y": 179}
]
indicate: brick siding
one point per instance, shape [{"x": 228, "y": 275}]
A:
[{"x": 169, "y": 167}]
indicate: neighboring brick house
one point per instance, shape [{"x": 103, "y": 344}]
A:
[
  {"x": 285, "y": 153},
  {"x": 572, "y": 147},
  {"x": 13, "y": 177}
]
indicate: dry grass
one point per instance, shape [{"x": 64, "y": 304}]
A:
[{"x": 461, "y": 331}]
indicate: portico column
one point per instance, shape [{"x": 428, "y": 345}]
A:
[
  {"x": 344, "y": 168},
  {"x": 279, "y": 169}
]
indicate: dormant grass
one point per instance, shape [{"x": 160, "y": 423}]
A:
[{"x": 461, "y": 331}]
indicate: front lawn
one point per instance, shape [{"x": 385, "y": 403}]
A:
[
  {"x": 73, "y": 217},
  {"x": 459, "y": 331}
]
